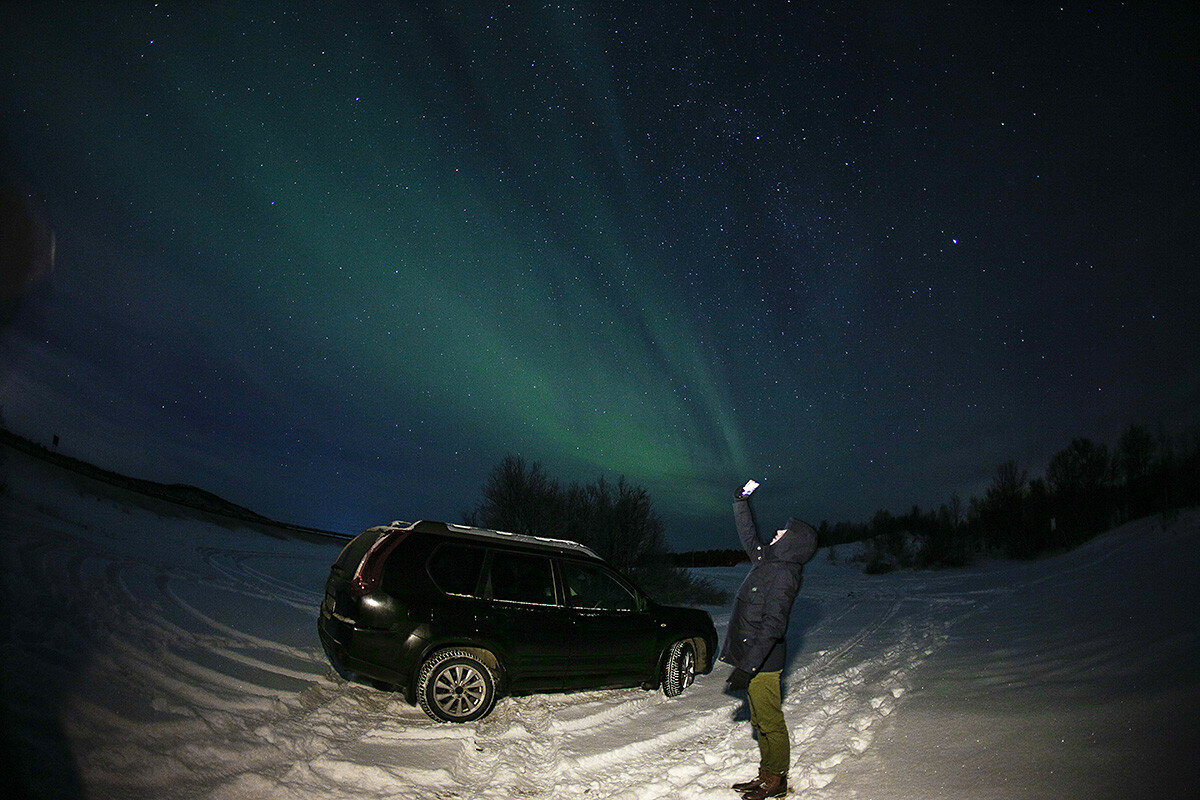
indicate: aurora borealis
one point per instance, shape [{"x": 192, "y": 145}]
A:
[{"x": 333, "y": 264}]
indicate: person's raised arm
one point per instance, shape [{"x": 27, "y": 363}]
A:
[{"x": 743, "y": 516}]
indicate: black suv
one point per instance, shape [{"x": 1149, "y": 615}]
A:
[{"x": 456, "y": 616}]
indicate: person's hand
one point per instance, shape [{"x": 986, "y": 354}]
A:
[
  {"x": 747, "y": 490},
  {"x": 739, "y": 680}
]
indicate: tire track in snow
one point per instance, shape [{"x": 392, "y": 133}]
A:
[
  {"x": 235, "y": 566},
  {"x": 153, "y": 703},
  {"x": 837, "y": 711}
]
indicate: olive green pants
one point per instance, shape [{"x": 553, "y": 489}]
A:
[{"x": 766, "y": 717}]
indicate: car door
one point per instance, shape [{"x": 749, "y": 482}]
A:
[
  {"x": 531, "y": 627},
  {"x": 456, "y": 568},
  {"x": 615, "y": 640}
]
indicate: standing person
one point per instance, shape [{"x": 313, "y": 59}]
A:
[{"x": 755, "y": 644}]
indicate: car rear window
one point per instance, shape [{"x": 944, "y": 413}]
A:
[{"x": 455, "y": 568}]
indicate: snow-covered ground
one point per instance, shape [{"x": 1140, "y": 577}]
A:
[{"x": 152, "y": 657}]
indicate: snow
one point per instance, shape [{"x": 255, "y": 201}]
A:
[{"x": 147, "y": 656}]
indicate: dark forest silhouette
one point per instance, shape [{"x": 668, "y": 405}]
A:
[
  {"x": 616, "y": 520},
  {"x": 1088, "y": 488}
]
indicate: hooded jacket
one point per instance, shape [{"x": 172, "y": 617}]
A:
[{"x": 755, "y": 639}]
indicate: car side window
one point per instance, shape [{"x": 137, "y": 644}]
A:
[
  {"x": 455, "y": 568},
  {"x": 592, "y": 586},
  {"x": 521, "y": 578}
]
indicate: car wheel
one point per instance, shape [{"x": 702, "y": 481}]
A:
[
  {"x": 455, "y": 686},
  {"x": 679, "y": 668}
]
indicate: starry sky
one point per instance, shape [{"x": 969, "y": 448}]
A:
[{"x": 333, "y": 264}]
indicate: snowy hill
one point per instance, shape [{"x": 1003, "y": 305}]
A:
[{"x": 146, "y": 657}]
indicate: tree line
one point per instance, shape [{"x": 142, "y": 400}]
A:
[
  {"x": 1087, "y": 488},
  {"x": 616, "y": 520}
]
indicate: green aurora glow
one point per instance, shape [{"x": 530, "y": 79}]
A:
[{"x": 334, "y": 263}]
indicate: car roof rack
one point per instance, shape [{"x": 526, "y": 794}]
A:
[{"x": 433, "y": 526}]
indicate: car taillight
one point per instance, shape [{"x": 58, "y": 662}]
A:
[{"x": 370, "y": 569}]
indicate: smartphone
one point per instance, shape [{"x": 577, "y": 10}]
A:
[{"x": 749, "y": 487}]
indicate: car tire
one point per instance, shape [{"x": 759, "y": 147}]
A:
[
  {"x": 456, "y": 686},
  {"x": 679, "y": 668}
]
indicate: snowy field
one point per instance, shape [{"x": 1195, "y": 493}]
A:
[{"x": 155, "y": 657}]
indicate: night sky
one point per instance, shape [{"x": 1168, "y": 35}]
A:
[{"x": 334, "y": 265}]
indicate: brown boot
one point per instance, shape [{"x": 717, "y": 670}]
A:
[
  {"x": 753, "y": 783},
  {"x": 772, "y": 784}
]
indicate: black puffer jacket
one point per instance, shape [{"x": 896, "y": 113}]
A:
[{"x": 755, "y": 640}]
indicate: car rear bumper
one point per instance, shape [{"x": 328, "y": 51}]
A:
[{"x": 358, "y": 653}]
